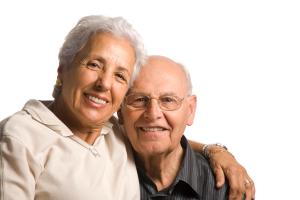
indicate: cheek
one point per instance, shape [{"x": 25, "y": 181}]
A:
[
  {"x": 130, "y": 132},
  {"x": 72, "y": 88},
  {"x": 76, "y": 79},
  {"x": 84, "y": 79},
  {"x": 130, "y": 120},
  {"x": 178, "y": 123},
  {"x": 118, "y": 94}
]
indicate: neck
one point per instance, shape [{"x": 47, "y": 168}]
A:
[
  {"x": 88, "y": 134},
  {"x": 162, "y": 169}
]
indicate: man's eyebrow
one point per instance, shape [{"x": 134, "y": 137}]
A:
[
  {"x": 168, "y": 94},
  {"x": 133, "y": 91}
]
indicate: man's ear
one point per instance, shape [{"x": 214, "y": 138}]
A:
[
  {"x": 120, "y": 116},
  {"x": 192, "y": 104}
]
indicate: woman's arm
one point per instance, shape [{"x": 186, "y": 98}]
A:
[{"x": 224, "y": 164}]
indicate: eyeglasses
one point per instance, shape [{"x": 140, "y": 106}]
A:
[{"x": 141, "y": 101}]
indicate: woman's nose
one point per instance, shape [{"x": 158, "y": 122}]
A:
[{"x": 104, "y": 81}]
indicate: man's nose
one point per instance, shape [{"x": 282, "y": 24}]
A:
[{"x": 153, "y": 110}]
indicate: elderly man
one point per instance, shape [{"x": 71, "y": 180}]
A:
[{"x": 158, "y": 108}]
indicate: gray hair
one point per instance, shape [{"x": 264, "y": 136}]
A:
[{"x": 89, "y": 25}]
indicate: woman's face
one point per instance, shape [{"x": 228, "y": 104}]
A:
[{"x": 95, "y": 84}]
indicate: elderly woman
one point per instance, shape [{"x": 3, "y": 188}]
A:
[{"x": 72, "y": 147}]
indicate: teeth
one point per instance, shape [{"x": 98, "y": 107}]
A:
[
  {"x": 152, "y": 129},
  {"x": 96, "y": 100}
]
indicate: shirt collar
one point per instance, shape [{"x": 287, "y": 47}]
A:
[
  {"x": 40, "y": 112},
  {"x": 190, "y": 171}
]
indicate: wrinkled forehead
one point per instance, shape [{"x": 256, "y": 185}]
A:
[
  {"x": 109, "y": 48},
  {"x": 160, "y": 76}
]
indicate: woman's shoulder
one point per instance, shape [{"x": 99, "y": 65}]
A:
[
  {"x": 16, "y": 120},
  {"x": 22, "y": 126}
]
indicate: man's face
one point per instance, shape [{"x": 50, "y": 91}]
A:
[
  {"x": 95, "y": 84},
  {"x": 151, "y": 130}
]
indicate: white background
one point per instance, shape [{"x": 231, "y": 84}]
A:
[{"x": 244, "y": 57}]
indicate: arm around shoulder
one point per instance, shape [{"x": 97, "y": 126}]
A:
[{"x": 224, "y": 165}]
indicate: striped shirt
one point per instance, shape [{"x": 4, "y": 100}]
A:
[{"x": 195, "y": 180}]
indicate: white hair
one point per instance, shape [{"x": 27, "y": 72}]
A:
[{"x": 90, "y": 25}]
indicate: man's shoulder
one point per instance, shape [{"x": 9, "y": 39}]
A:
[
  {"x": 200, "y": 166},
  {"x": 201, "y": 162},
  {"x": 207, "y": 177}
]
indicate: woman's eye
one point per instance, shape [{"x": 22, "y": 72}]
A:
[
  {"x": 121, "y": 77},
  {"x": 94, "y": 65}
]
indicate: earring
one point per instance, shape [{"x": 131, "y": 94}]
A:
[
  {"x": 57, "y": 88},
  {"x": 58, "y": 83}
]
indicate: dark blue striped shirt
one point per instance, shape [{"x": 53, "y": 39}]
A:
[{"x": 195, "y": 180}]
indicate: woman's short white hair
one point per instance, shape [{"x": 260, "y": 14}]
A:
[{"x": 90, "y": 25}]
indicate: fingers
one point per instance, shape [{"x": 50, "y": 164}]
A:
[
  {"x": 241, "y": 187},
  {"x": 224, "y": 165},
  {"x": 236, "y": 179},
  {"x": 235, "y": 196},
  {"x": 253, "y": 190},
  {"x": 250, "y": 189},
  {"x": 219, "y": 175}
]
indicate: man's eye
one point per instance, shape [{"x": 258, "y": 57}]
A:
[
  {"x": 168, "y": 99},
  {"x": 140, "y": 99}
]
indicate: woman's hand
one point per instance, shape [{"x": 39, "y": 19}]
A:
[{"x": 224, "y": 165}]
